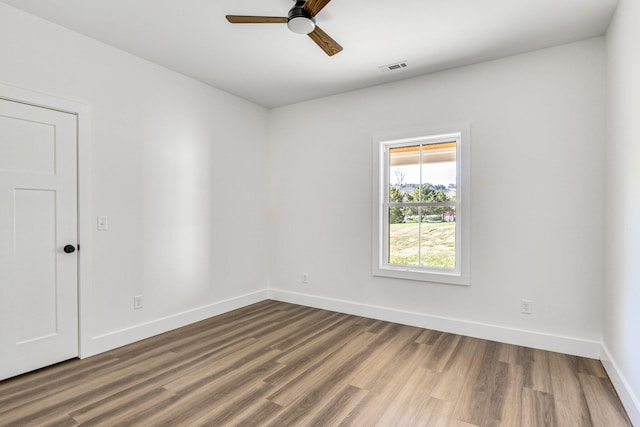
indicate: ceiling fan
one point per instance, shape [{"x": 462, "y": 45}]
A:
[{"x": 301, "y": 20}]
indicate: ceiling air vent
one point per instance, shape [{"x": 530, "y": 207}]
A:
[{"x": 393, "y": 67}]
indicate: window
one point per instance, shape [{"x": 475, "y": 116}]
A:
[{"x": 421, "y": 214}]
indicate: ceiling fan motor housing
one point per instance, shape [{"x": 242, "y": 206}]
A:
[{"x": 300, "y": 21}]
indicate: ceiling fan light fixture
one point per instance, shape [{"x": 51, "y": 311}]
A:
[
  {"x": 301, "y": 24},
  {"x": 300, "y": 20}
]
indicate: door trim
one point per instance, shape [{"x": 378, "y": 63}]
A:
[{"x": 85, "y": 224}]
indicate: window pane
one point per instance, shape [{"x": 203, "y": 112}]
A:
[
  {"x": 438, "y": 237},
  {"x": 438, "y": 178},
  {"x": 404, "y": 236},
  {"x": 403, "y": 173}
]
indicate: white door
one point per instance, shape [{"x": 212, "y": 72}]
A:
[{"x": 38, "y": 218}]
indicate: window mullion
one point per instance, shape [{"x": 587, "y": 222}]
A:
[
  {"x": 418, "y": 205},
  {"x": 419, "y": 235},
  {"x": 420, "y": 191}
]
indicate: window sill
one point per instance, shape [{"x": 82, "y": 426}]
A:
[{"x": 422, "y": 276}]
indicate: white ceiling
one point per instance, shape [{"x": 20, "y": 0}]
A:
[{"x": 267, "y": 64}]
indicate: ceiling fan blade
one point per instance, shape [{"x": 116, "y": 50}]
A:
[
  {"x": 314, "y": 6},
  {"x": 239, "y": 19},
  {"x": 326, "y": 43}
]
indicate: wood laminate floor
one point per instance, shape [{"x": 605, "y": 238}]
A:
[{"x": 278, "y": 364}]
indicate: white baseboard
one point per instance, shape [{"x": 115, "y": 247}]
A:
[
  {"x": 550, "y": 342},
  {"x": 145, "y": 330},
  {"x": 627, "y": 396}
]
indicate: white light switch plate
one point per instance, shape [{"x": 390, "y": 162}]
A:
[{"x": 102, "y": 223}]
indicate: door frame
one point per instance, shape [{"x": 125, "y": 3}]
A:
[{"x": 85, "y": 224}]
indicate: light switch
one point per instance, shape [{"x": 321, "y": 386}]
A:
[{"x": 102, "y": 223}]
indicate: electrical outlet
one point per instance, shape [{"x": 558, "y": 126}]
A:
[
  {"x": 137, "y": 302},
  {"x": 305, "y": 278},
  {"x": 526, "y": 306}
]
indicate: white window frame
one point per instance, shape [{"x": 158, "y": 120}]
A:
[{"x": 461, "y": 133}]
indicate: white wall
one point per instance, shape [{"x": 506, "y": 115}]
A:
[
  {"x": 178, "y": 167},
  {"x": 622, "y": 230},
  {"x": 537, "y": 144}
]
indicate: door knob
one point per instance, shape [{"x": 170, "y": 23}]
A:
[{"x": 69, "y": 249}]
